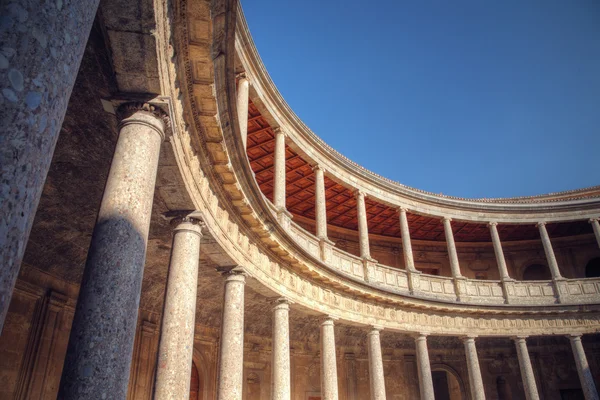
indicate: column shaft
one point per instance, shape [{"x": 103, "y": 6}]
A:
[
  {"x": 406, "y": 243},
  {"x": 101, "y": 342},
  {"x": 176, "y": 346},
  {"x": 329, "y": 382},
  {"x": 596, "y": 227},
  {"x": 231, "y": 349},
  {"x": 279, "y": 175},
  {"x": 280, "y": 367},
  {"x": 498, "y": 251},
  {"x": 242, "y": 107},
  {"x": 363, "y": 229},
  {"x": 424, "y": 368},
  {"x": 37, "y": 81},
  {"x": 320, "y": 203},
  {"x": 529, "y": 385},
  {"x": 583, "y": 369},
  {"x": 549, "y": 251},
  {"x": 475, "y": 380},
  {"x": 452, "y": 254},
  {"x": 376, "y": 376}
]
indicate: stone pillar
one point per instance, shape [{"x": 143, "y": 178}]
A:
[
  {"x": 424, "y": 368},
  {"x": 329, "y": 382},
  {"x": 176, "y": 346},
  {"x": 596, "y": 227},
  {"x": 38, "y": 67},
  {"x": 499, "y": 252},
  {"x": 376, "y": 376},
  {"x": 453, "y": 256},
  {"x": 279, "y": 179},
  {"x": 231, "y": 349},
  {"x": 475, "y": 380},
  {"x": 549, "y": 251},
  {"x": 101, "y": 342},
  {"x": 583, "y": 369},
  {"x": 320, "y": 203},
  {"x": 529, "y": 385},
  {"x": 363, "y": 229},
  {"x": 280, "y": 367},
  {"x": 409, "y": 260},
  {"x": 242, "y": 106}
]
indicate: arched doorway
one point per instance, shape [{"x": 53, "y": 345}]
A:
[
  {"x": 592, "y": 269},
  {"x": 446, "y": 383},
  {"x": 536, "y": 272},
  {"x": 195, "y": 383}
]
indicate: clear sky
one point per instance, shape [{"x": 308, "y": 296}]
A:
[{"x": 471, "y": 98}]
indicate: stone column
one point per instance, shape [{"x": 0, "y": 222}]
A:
[
  {"x": 453, "y": 256},
  {"x": 596, "y": 227},
  {"x": 101, "y": 343},
  {"x": 176, "y": 345},
  {"x": 329, "y": 382},
  {"x": 280, "y": 367},
  {"x": 475, "y": 380},
  {"x": 38, "y": 67},
  {"x": 409, "y": 261},
  {"x": 549, "y": 251},
  {"x": 376, "y": 376},
  {"x": 529, "y": 385},
  {"x": 231, "y": 349},
  {"x": 424, "y": 368},
  {"x": 279, "y": 179},
  {"x": 499, "y": 252},
  {"x": 320, "y": 202},
  {"x": 583, "y": 369},
  {"x": 363, "y": 229},
  {"x": 242, "y": 106}
]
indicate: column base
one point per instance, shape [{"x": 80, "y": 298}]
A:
[
  {"x": 369, "y": 269},
  {"x": 325, "y": 246},
  {"x": 284, "y": 217},
  {"x": 459, "y": 287},
  {"x": 414, "y": 280}
]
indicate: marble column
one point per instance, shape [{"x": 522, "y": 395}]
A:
[
  {"x": 38, "y": 67},
  {"x": 499, "y": 252},
  {"x": 596, "y": 227},
  {"x": 424, "y": 368},
  {"x": 549, "y": 251},
  {"x": 329, "y": 382},
  {"x": 363, "y": 229},
  {"x": 376, "y": 376},
  {"x": 231, "y": 349},
  {"x": 280, "y": 367},
  {"x": 452, "y": 254},
  {"x": 583, "y": 369},
  {"x": 242, "y": 106},
  {"x": 527, "y": 376},
  {"x": 409, "y": 261},
  {"x": 279, "y": 177},
  {"x": 320, "y": 202},
  {"x": 176, "y": 345},
  {"x": 475, "y": 380},
  {"x": 100, "y": 347}
]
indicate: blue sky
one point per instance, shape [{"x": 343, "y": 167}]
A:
[{"x": 471, "y": 98}]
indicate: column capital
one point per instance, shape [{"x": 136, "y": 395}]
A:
[
  {"x": 402, "y": 209},
  {"x": 592, "y": 220},
  {"x": 541, "y": 223},
  {"x": 446, "y": 219},
  {"x": 185, "y": 221},
  {"x": 359, "y": 193},
  {"x": 420, "y": 335},
  {"x": 574, "y": 336},
  {"x": 234, "y": 273},
  {"x": 281, "y": 303},
  {"x": 493, "y": 223},
  {"x": 241, "y": 75},
  {"x": 328, "y": 320},
  {"x": 278, "y": 131},
  {"x": 375, "y": 329},
  {"x": 469, "y": 338},
  {"x": 128, "y": 113},
  {"x": 520, "y": 338}
]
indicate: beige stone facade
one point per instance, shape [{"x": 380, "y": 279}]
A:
[{"x": 168, "y": 258}]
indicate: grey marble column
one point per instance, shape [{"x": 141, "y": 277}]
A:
[
  {"x": 499, "y": 252},
  {"x": 329, "y": 381},
  {"x": 280, "y": 367},
  {"x": 475, "y": 380},
  {"x": 376, "y": 376},
  {"x": 279, "y": 176},
  {"x": 549, "y": 251},
  {"x": 363, "y": 229},
  {"x": 527, "y": 376},
  {"x": 452, "y": 254},
  {"x": 424, "y": 368},
  {"x": 231, "y": 349},
  {"x": 406, "y": 243},
  {"x": 320, "y": 202},
  {"x": 583, "y": 369},
  {"x": 596, "y": 227},
  {"x": 101, "y": 341},
  {"x": 42, "y": 44},
  {"x": 242, "y": 106},
  {"x": 176, "y": 345}
]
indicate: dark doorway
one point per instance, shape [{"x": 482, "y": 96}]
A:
[
  {"x": 592, "y": 269},
  {"x": 536, "y": 272}
]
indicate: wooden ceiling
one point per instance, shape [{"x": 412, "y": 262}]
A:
[{"x": 381, "y": 218}]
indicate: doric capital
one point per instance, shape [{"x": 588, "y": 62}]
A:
[
  {"x": 233, "y": 273},
  {"x": 328, "y": 320},
  {"x": 520, "y": 338},
  {"x": 375, "y": 329},
  {"x": 493, "y": 223},
  {"x": 241, "y": 75},
  {"x": 188, "y": 223},
  {"x": 592, "y": 220},
  {"x": 278, "y": 131},
  {"x": 420, "y": 335},
  {"x": 540, "y": 224},
  {"x": 127, "y": 111},
  {"x": 468, "y": 338},
  {"x": 574, "y": 336},
  {"x": 359, "y": 193},
  {"x": 281, "y": 303},
  {"x": 402, "y": 209},
  {"x": 317, "y": 167},
  {"x": 446, "y": 219}
]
